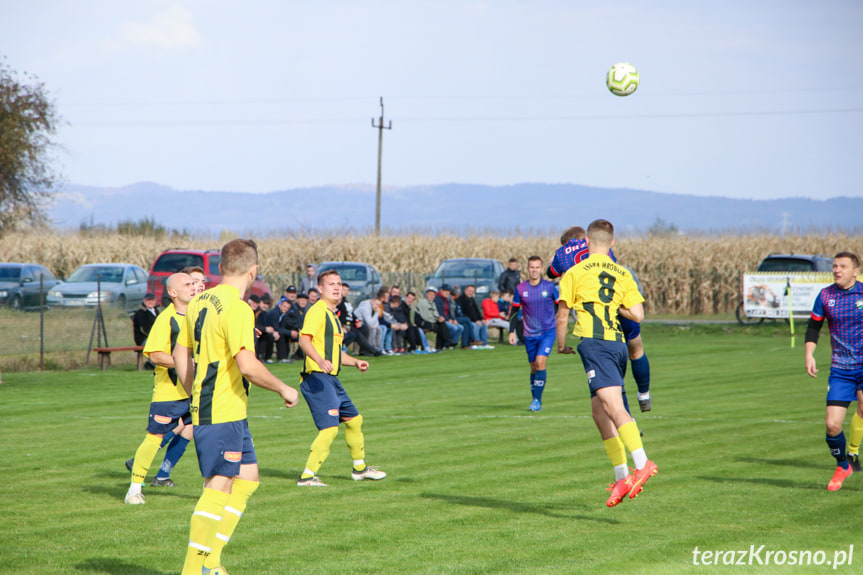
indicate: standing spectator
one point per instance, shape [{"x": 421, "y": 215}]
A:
[
  {"x": 308, "y": 282},
  {"x": 429, "y": 318},
  {"x": 841, "y": 304},
  {"x": 510, "y": 277},
  {"x": 291, "y": 294},
  {"x": 264, "y": 342},
  {"x": 314, "y": 295},
  {"x": 478, "y": 322},
  {"x": 144, "y": 318}
]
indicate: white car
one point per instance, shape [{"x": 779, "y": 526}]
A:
[{"x": 121, "y": 285}]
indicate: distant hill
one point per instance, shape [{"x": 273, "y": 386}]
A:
[{"x": 446, "y": 207}]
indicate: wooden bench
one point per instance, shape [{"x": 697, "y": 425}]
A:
[{"x": 105, "y": 355}]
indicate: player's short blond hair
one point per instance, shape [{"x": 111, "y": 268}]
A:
[
  {"x": 238, "y": 256},
  {"x": 601, "y": 231}
]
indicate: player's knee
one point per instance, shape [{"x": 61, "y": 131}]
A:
[
  {"x": 355, "y": 422},
  {"x": 635, "y": 347}
]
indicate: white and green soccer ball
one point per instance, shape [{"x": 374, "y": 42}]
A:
[{"x": 622, "y": 79}]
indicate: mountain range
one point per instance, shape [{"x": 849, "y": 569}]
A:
[{"x": 457, "y": 208}]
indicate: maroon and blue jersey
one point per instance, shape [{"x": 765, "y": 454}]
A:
[
  {"x": 569, "y": 254},
  {"x": 537, "y": 305},
  {"x": 843, "y": 310}
]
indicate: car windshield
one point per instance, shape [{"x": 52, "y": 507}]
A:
[
  {"x": 465, "y": 269},
  {"x": 785, "y": 265},
  {"x": 170, "y": 263},
  {"x": 110, "y": 274},
  {"x": 10, "y": 273},
  {"x": 348, "y": 272}
]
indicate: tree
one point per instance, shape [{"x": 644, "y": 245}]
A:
[
  {"x": 28, "y": 122},
  {"x": 662, "y": 229}
]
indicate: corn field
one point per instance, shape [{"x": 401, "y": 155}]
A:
[{"x": 683, "y": 275}]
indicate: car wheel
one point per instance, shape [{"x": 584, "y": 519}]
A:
[
  {"x": 121, "y": 302},
  {"x": 743, "y": 319},
  {"x": 15, "y": 302}
]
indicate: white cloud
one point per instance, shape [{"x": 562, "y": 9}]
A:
[{"x": 171, "y": 28}]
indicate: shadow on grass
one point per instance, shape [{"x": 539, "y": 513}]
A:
[
  {"x": 115, "y": 567},
  {"x": 515, "y": 506},
  {"x": 782, "y": 483},
  {"x": 781, "y": 462},
  {"x": 119, "y": 492}
]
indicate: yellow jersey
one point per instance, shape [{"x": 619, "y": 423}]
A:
[
  {"x": 596, "y": 288},
  {"x": 163, "y": 337},
  {"x": 325, "y": 330},
  {"x": 219, "y": 324}
]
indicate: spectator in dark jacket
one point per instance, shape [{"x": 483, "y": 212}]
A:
[
  {"x": 510, "y": 277},
  {"x": 144, "y": 318},
  {"x": 446, "y": 309},
  {"x": 471, "y": 310}
]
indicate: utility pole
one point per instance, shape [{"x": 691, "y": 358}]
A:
[{"x": 380, "y": 126}]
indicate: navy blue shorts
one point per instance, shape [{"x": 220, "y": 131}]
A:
[
  {"x": 540, "y": 344},
  {"x": 842, "y": 385},
  {"x": 604, "y": 362},
  {"x": 327, "y": 399},
  {"x": 223, "y": 447},
  {"x": 164, "y": 416},
  {"x": 631, "y": 329}
]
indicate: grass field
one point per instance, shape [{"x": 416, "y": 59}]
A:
[{"x": 476, "y": 484}]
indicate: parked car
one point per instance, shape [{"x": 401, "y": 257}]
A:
[
  {"x": 172, "y": 261},
  {"x": 121, "y": 285},
  {"x": 20, "y": 287},
  {"x": 795, "y": 263},
  {"x": 364, "y": 279},
  {"x": 481, "y": 273}
]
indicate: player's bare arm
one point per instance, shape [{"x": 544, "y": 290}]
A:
[
  {"x": 309, "y": 349},
  {"x": 811, "y": 368},
  {"x": 351, "y": 361},
  {"x": 162, "y": 358},
  {"x": 184, "y": 366},
  {"x": 257, "y": 373},
  {"x": 562, "y": 324},
  {"x": 634, "y": 313}
]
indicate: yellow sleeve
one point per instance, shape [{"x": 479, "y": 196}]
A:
[
  {"x": 241, "y": 329},
  {"x": 567, "y": 288}
]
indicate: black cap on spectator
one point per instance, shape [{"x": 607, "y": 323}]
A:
[
  {"x": 291, "y": 289},
  {"x": 267, "y": 298},
  {"x": 255, "y": 298},
  {"x": 302, "y": 295},
  {"x": 445, "y": 287},
  {"x": 149, "y": 295}
]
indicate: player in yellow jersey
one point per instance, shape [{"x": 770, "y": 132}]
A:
[
  {"x": 169, "y": 408},
  {"x": 597, "y": 289},
  {"x": 321, "y": 340},
  {"x": 218, "y": 335}
]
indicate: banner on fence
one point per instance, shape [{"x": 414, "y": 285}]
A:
[{"x": 764, "y": 294}]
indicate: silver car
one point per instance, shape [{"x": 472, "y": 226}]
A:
[
  {"x": 364, "y": 279},
  {"x": 121, "y": 285}
]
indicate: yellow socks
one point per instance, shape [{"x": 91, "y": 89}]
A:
[
  {"x": 355, "y": 440},
  {"x": 144, "y": 457},
  {"x": 320, "y": 450},
  {"x": 203, "y": 530},
  {"x": 615, "y": 450},
  {"x": 234, "y": 508},
  {"x": 856, "y": 434}
]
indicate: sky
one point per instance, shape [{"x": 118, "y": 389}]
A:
[{"x": 756, "y": 99}]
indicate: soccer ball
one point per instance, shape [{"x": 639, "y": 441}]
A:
[{"x": 622, "y": 79}]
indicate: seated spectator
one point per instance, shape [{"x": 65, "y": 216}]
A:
[
  {"x": 291, "y": 294},
  {"x": 368, "y": 315},
  {"x": 492, "y": 313},
  {"x": 469, "y": 336},
  {"x": 469, "y": 307},
  {"x": 263, "y": 342},
  {"x": 314, "y": 295},
  {"x": 277, "y": 333},
  {"x": 418, "y": 334},
  {"x": 505, "y": 304},
  {"x": 445, "y": 306},
  {"x": 404, "y": 339},
  {"x": 345, "y": 313},
  {"x": 294, "y": 319},
  {"x": 429, "y": 318}
]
